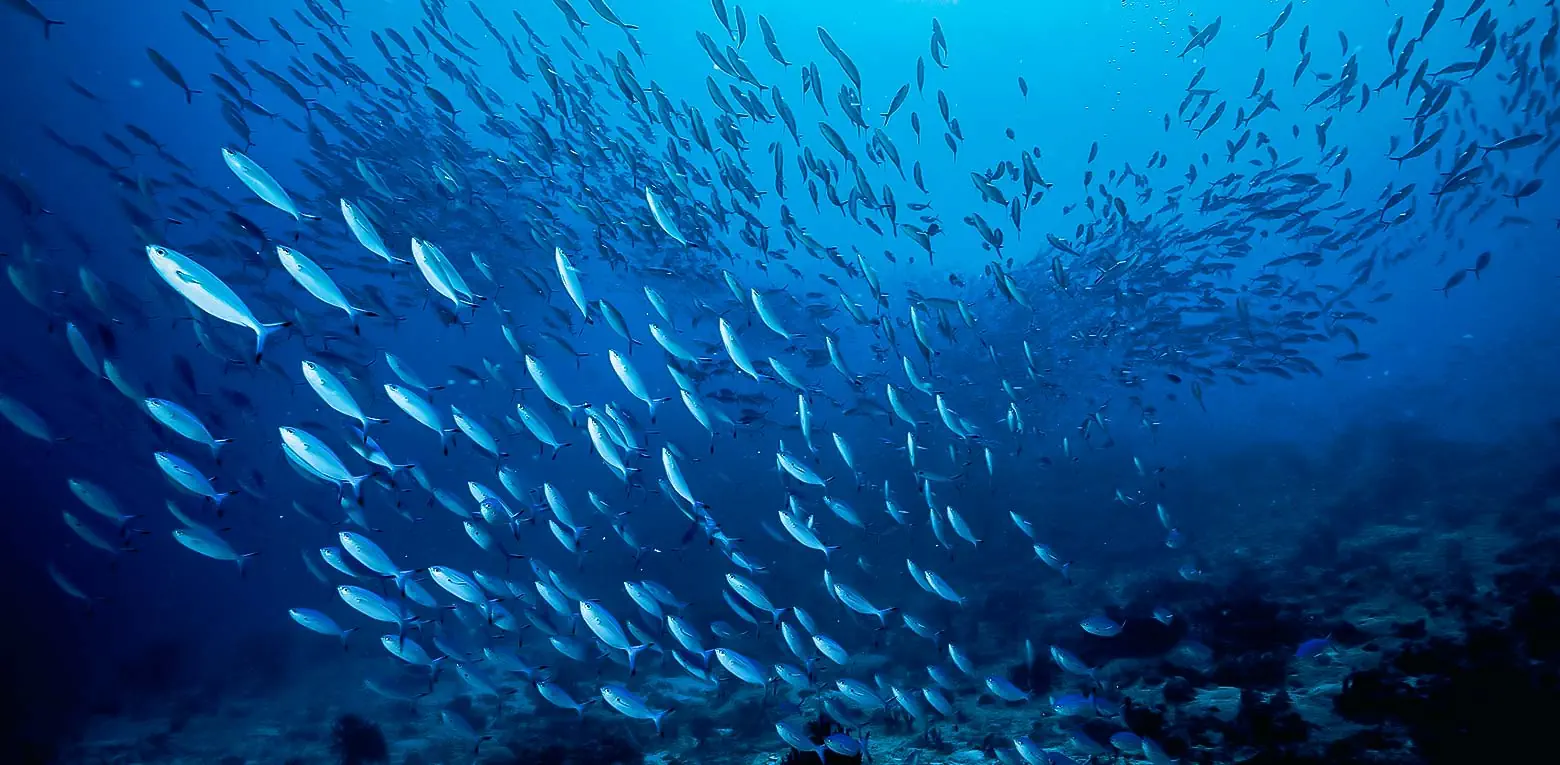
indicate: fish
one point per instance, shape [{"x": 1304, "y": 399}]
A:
[
  {"x": 1313, "y": 647},
  {"x": 662, "y": 219},
  {"x": 942, "y": 589},
  {"x": 120, "y": 383},
  {"x": 735, "y": 350},
  {"x": 208, "y": 543},
  {"x": 260, "y": 182},
  {"x": 319, "y": 459},
  {"x": 557, "y": 696},
  {"x": 210, "y": 294},
  {"x": 610, "y": 631},
  {"x": 571, "y": 282},
  {"x": 419, "y": 409},
  {"x": 799, "y": 470},
  {"x": 831, "y": 649},
  {"x": 311, "y": 277},
  {"x": 82, "y": 349},
  {"x": 24, "y": 419},
  {"x": 316, "y": 621},
  {"x": 411, "y": 652},
  {"x": 1004, "y": 689},
  {"x": 1513, "y": 143},
  {"x": 440, "y": 274},
  {"x": 363, "y": 230},
  {"x": 187, "y": 477},
  {"x": 754, "y": 595},
  {"x": 741, "y": 667},
  {"x": 28, "y": 9},
  {"x": 632, "y": 381},
  {"x": 335, "y": 393},
  {"x": 767, "y": 315},
  {"x": 626, "y": 702},
  {"x": 845, "y": 62},
  {"x": 99, "y": 500},
  {"x": 855, "y": 601},
  {"x": 540, "y": 429},
  {"x": 184, "y": 422},
  {"x": 1101, "y": 625},
  {"x": 163, "y": 65}
]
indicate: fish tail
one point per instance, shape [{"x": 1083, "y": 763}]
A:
[
  {"x": 217, "y": 500},
  {"x": 633, "y": 656},
  {"x": 356, "y": 483},
  {"x": 242, "y": 559},
  {"x": 263, "y": 333}
]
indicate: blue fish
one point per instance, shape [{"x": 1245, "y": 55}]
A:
[
  {"x": 848, "y": 746},
  {"x": 1313, "y": 647}
]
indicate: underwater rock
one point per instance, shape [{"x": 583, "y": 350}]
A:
[
  {"x": 590, "y": 743},
  {"x": 356, "y": 741},
  {"x": 1263, "y": 670},
  {"x": 1369, "y": 697},
  {"x": 1470, "y": 700},
  {"x": 1178, "y": 690},
  {"x": 932, "y": 740},
  {"x": 1222, "y": 703},
  {"x": 1415, "y": 630},
  {"x": 1267, "y": 723},
  {"x": 1537, "y": 621},
  {"x": 488, "y": 755},
  {"x": 1035, "y": 678}
]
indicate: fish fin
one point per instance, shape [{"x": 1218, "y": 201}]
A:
[
  {"x": 242, "y": 559},
  {"x": 217, "y": 500},
  {"x": 263, "y": 332},
  {"x": 356, "y": 482},
  {"x": 633, "y": 655}
]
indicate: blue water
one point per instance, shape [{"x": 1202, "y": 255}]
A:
[{"x": 1345, "y": 505}]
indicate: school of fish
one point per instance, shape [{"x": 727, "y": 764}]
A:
[{"x": 569, "y": 227}]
